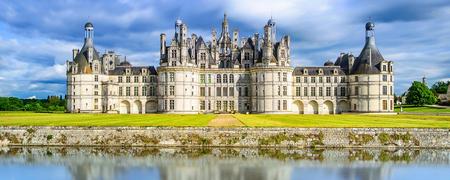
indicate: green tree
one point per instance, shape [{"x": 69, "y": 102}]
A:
[
  {"x": 440, "y": 87},
  {"x": 419, "y": 95}
]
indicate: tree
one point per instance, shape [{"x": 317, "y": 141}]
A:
[
  {"x": 419, "y": 95},
  {"x": 440, "y": 87}
]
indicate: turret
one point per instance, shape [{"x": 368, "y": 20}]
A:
[
  {"x": 163, "y": 47},
  {"x": 235, "y": 39}
]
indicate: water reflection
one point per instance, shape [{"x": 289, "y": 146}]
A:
[{"x": 221, "y": 163}]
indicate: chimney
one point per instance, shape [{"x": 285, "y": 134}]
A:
[{"x": 74, "y": 53}]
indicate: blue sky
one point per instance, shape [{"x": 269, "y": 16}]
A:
[{"x": 37, "y": 37}]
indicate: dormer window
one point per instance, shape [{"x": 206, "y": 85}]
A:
[
  {"x": 305, "y": 71},
  {"x": 335, "y": 72},
  {"x": 320, "y": 71},
  {"x": 384, "y": 67},
  {"x": 174, "y": 53}
]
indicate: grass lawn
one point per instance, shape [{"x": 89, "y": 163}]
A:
[
  {"x": 61, "y": 119},
  {"x": 403, "y": 121},
  {"x": 410, "y": 108}
]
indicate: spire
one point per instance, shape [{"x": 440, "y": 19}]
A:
[{"x": 225, "y": 24}]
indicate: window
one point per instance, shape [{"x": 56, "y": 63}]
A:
[
  {"x": 305, "y": 79},
  {"x": 384, "y": 67},
  {"x": 136, "y": 91},
  {"x": 128, "y": 91},
  {"x": 225, "y": 78},
  {"x": 392, "y": 92},
  {"x": 231, "y": 91},
  {"x": 231, "y": 78},
  {"x": 335, "y": 79},
  {"x": 279, "y": 105},
  {"x": 171, "y": 76},
  {"x": 96, "y": 78},
  {"x": 225, "y": 91},
  {"x": 356, "y": 90},
  {"x": 356, "y": 78},
  {"x": 218, "y": 91},
  {"x": 209, "y": 91},
  {"x": 335, "y": 91},
  {"x": 279, "y": 76},
  {"x": 95, "y": 92},
  {"x": 203, "y": 56},
  {"x": 284, "y": 104},
  {"x": 218, "y": 78},
  {"x": 313, "y": 91},
  {"x": 246, "y": 56},
  {"x": 144, "y": 91},
  {"x": 392, "y": 105},
  {"x": 202, "y": 78},
  {"x": 305, "y": 91},
  {"x": 209, "y": 78},
  {"x": 202, "y": 105},
  {"x": 328, "y": 91},
  {"x": 283, "y": 53},
  {"x": 384, "y": 104},
  {"x": 320, "y": 80},
  {"x": 202, "y": 91},
  {"x": 391, "y": 78},
  {"x": 120, "y": 79},
  {"x": 120, "y": 91},
  {"x": 165, "y": 90},
  {"x": 384, "y": 77},
  {"x": 96, "y": 86},
  {"x": 172, "y": 104},
  {"x": 171, "y": 90},
  {"x": 320, "y": 91},
  {"x": 246, "y": 91},
  {"x": 328, "y": 79},
  {"x": 342, "y": 79},
  {"x": 284, "y": 77},
  {"x": 202, "y": 65},
  {"x": 297, "y": 79},
  {"x": 279, "y": 90},
  {"x": 342, "y": 91},
  {"x": 231, "y": 103},
  {"x": 174, "y": 53},
  {"x": 136, "y": 79},
  {"x": 128, "y": 79},
  {"x": 384, "y": 90},
  {"x": 174, "y": 63},
  {"x": 313, "y": 79},
  {"x": 144, "y": 79},
  {"x": 297, "y": 91},
  {"x": 284, "y": 90},
  {"x": 246, "y": 66}
]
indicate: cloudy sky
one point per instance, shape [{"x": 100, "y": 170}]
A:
[{"x": 36, "y": 37}]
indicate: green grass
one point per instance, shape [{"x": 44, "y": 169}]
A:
[
  {"x": 410, "y": 108},
  {"x": 334, "y": 121},
  {"x": 60, "y": 119}
]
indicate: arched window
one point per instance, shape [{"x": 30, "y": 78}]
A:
[
  {"x": 225, "y": 78},
  {"x": 218, "y": 78},
  {"x": 231, "y": 78}
]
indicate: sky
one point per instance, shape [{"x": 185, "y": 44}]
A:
[{"x": 37, "y": 37}]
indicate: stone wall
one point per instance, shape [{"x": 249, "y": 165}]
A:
[{"x": 225, "y": 137}]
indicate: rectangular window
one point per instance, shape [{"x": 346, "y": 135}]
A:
[
  {"x": 342, "y": 79},
  {"x": 128, "y": 79},
  {"x": 218, "y": 105},
  {"x": 231, "y": 91},
  {"x": 172, "y": 104},
  {"x": 174, "y": 53},
  {"x": 144, "y": 79},
  {"x": 144, "y": 91},
  {"x": 335, "y": 79},
  {"x": 279, "y": 76},
  {"x": 171, "y": 76},
  {"x": 298, "y": 79},
  {"x": 305, "y": 79},
  {"x": 120, "y": 91},
  {"x": 313, "y": 91},
  {"x": 284, "y": 77},
  {"x": 320, "y": 80},
  {"x": 328, "y": 80},
  {"x": 136, "y": 79},
  {"x": 297, "y": 91},
  {"x": 384, "y": 67},
  {"x": 231, "y": 78},
  {"x": 96, "y": 78},
  {"x": 136, "y": 91},
  {"x": 328, "y": 91},
  {"x": 279, "y": 105},
  {"x": 225, "y": 91},
  {"x": 202, "y": 105},
  {"x": 335, "y": 91},
  {"x": 285, "y": 105},
  {"x": 209, "y": 78},
  {"x": 384, "y": 104},
  {"x": 392, "y": 91},
  {"x": 305, "y": 91},
  {"x": 209, "y": 91},
  {"x": 392, "y": 105},
  {"x": 384, "y": 77},
  {"x": 203, "y": 56},
  {"x": 384, "y": 90},
  {"x": 202, "y": 78},
  {"x": 172, "y": 90},
  {"x": 202, "y": 91},
  {"x": 218, "y": 91},
  {"x": 356, "y": 90},
  {"x": 95, "y": 92},
  {"x": 96, "y": 86},
  {"x": 279, "y": 91},
  {"x": 246, "y": 91},
  {"x": 120, "y": 79},
  {"x": 231, "y": 104},
  {"x": 356, "y": 78},
  {"x": 320, "y": 91},
  {"x": 128, "y": 91},
  {"x": 313, "y": 79},
  {"x": 284, "y": 90},
  {"x": 342, "y": 91},
  {"x": 218, "y": 78}
]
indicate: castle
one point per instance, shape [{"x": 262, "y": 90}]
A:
[{"x": 228, "y": 74}]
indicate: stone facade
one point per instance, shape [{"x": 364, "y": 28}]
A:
[
  {"x": 226, "y": 137},
  {"x": 229, "y": 74}
]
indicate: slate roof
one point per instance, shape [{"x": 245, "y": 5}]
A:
[
  {"x": 369, "y": 59},
  {"x": 120, "y": 70},
  {"x": 327, "y": 70},
  {"x": 82, "y": 60}
]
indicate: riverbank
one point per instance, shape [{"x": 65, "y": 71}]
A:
[{"x": 226, "y": 137}]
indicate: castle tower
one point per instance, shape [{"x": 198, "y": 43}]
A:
[{"x": 371, "y": 78}]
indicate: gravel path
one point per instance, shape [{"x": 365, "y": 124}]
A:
[{"x": 225, "y": 120}]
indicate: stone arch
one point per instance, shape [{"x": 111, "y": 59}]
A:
[
  {"x": 124, "y": 107},
  {"x": 298, "y": 107},
  {"x": 328, "y": 107},
  {"x": 137, "y": 107},
  {"x": 313, "y": 107},
  {"x": 343, "y": 106},
  {"x": 151, "y": 106}
]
